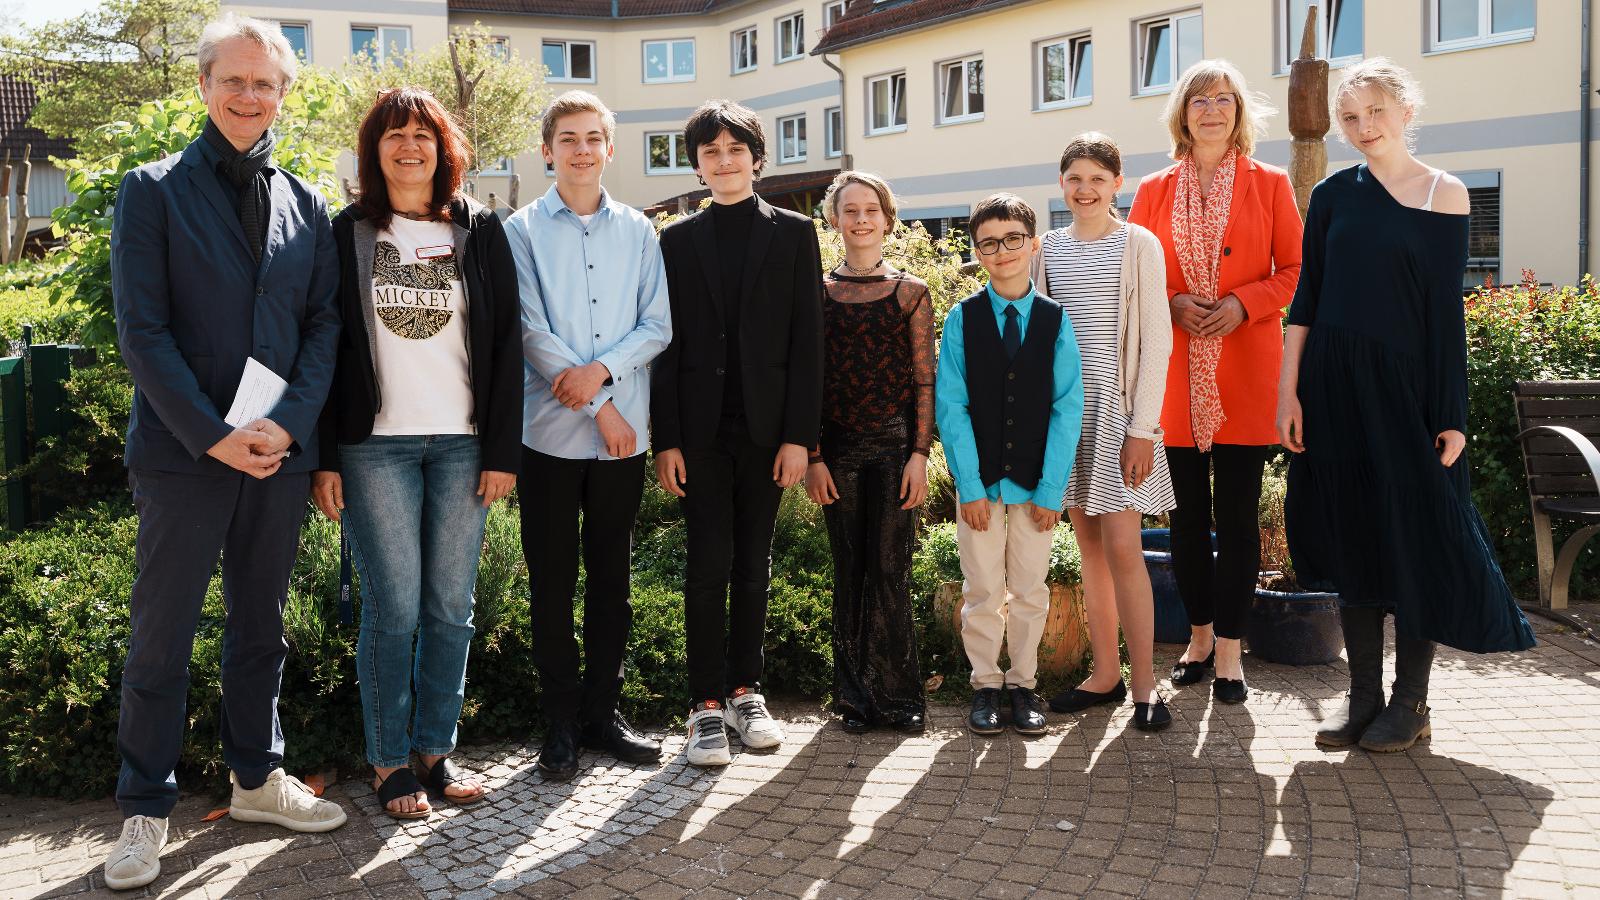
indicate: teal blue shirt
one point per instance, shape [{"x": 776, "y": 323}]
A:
[{"x": 951, "y": 411}]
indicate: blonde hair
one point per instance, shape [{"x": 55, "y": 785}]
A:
[
  {"x": 264, "y": 35},
  {"x": 830, "y": 201},
  {"x": 576, "y": 102},
  {"x": 1381, "y": 72},
  {"x": 1249, "y": 122}
]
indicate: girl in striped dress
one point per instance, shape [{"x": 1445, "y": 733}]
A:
[{"x": 1110, "y": 278}]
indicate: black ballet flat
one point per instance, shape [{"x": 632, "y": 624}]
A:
[
  {"x": 1229, "y": 690},
  {"x": 1078, "y": 699},
  {"x": 1151, "y": 716},
  {"x": 855, "y": 724},
  {"x": 1186, "y": 673},
  {"x": 913, "y": 723}
]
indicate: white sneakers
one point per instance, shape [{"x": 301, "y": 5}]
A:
[
  {"x": 135, "y": 860},
  {"x": 284, "y": 800},
  {"x": 747, "y": 713},
  {"x": 708, "y": 737}
]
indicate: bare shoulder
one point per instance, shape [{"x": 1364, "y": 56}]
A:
[{"x": 1451, "y": 196}]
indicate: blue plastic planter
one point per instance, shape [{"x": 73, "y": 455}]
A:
[
  {"x": 1297, "y": 629},
  {"x": 1172, "y": 620}
]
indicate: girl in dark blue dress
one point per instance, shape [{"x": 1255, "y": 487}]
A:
[{"x": 1373, "y": 403}]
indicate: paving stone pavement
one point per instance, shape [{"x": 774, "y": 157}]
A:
[{"x": 1231, "y": 802}]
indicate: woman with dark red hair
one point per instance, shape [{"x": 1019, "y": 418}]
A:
[{"x": 422, "y": 432}]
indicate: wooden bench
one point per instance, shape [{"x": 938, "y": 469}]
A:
[{"x": 1560, "y": 424}]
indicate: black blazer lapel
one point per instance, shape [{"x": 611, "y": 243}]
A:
[
  {"x": 762, "y": 227},
  {"x": 705, "y": 245},
  {"x": 205, "y": 178},
  {"x": 277, "y": 218}
]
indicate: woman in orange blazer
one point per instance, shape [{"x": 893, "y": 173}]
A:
[{"x": 1231, "y": 232}]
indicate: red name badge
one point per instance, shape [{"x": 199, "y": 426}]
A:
[{"x": 435, "y": 252}]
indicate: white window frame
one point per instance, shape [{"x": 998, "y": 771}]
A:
[
  {"x": 893, "y": 127},
  {"x": 940, "y": 70},
  {"x": 832, "y": 13},
  {"x": 1289, "y": 33},
  {"x": 797, "y": 31},
  {"x": 381, "y": 33},
  {"x": 1485, "y": 37},
  {"x": 801, "y": 146},
  {"x": 499, "y": 167},
  {"x": 675, "y": 138},
  {"x": 566, "y": 54},
  {"x": 1071, "y": 44},
  {"x": 750, "y": 32},
  {"x": 297, "y": 24},
  {"x": 669, "y": 43},
  {"x": 1141, "y": 32},
  {"x": 833, "y": 132}
]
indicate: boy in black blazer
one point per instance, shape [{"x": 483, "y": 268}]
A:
[{"x": 735, "y": 401}]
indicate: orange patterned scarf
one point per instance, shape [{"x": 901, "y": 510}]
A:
[{"x": 1199, "y": 221}]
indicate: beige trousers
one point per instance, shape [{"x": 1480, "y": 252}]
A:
[{"x": 1005, "y": 597}]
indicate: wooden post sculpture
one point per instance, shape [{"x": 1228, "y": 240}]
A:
[
  {"x": 5, "y": 202},
  {"x": 516, "y": 191},
  {"x": 21, "y": 236},
  {"x": 1308, "y": 115}
]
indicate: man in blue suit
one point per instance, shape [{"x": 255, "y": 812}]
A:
[{"x": 217, "y": 257}]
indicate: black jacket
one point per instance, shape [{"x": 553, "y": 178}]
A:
[
  {"x": 780, "y": 334},
  {"x": 494, "y": 340}
]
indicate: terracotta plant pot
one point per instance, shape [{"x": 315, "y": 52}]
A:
[{"x": 1063, "y": 649}]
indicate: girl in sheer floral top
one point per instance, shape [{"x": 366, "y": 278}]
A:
[{"x": 870, "y": 474}]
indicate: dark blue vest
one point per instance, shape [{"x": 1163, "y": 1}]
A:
[{"x": 1009, "y": 400}]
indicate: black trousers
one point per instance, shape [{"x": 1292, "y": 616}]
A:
[
  {"x": 730, "y": 507},
  {"x": 562, "y": 501},
  {"x": 1217, "y": 592},
  {"x": 877, "y": 677},
  {"x": 185, "y": 521}
]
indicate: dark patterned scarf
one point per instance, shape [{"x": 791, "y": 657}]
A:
[{"x": 245, "y": 171}]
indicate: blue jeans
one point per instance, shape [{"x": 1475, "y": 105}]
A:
[{"x": 415, "y": 523}]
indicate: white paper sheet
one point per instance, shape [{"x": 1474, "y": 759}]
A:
[{"x": 260, "y": 388}]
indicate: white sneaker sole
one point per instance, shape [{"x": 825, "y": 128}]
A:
[
  {"x": 137, "y": 881},
  {"x": 254, "y": 815},
  {"x": 759, "y": 741}
]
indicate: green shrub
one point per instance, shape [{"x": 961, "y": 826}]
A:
[
  {"x": 25, "y": 303},
  {"x": 85, "y": 467},
  {"x": 1523, "y": 332}
]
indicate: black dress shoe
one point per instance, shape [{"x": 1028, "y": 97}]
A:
[
  {"x": 1191, "y": 672},
  {"x": 913, "y": 723},
  {"x": 1151, "y": 716},
  {"x": 558, "y": 758},
  {"x": 854, "y": 724},
  {"x": 1026, "y": 715},
  {"x": 1078, "y": 699},
  {"x": 618, "y": 738},
  {"x": 1229, "y": 690},
  {"x": 985, "y": 718}
]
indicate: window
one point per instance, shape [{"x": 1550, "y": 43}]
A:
[
  {"x": 744, "y": 49},
  {"x": 1457, "y": 24},
  {"x": 568, "y": 60},
  {"x": 299, "y": 36},
  {"x": 384, "y": 44},
  {"x": 666, "y": 153},
  {"x": 1339, "y": 27},
  {"x": 886, "y": 103},
  {"x": 501, "y": 166},
  {"x": 1060, "y": 218},
  {"x": 668, "y": 61},
  {"x": 549, "y": 170},
  {"x": 961, "y": 90},
  {"x": 792, "y": 139},
  {"x": 833, "y": 119},
  {"x": 500, "y": 47},
  {"x": 791, "y": 37},
  {"x": 1167, "y": 46},
  {"x": 1066, "y": 72},
  {"x": 831, "y": 13},
  {"x": 1483, "y": 228},
  {"x": 953, "y": 227}
]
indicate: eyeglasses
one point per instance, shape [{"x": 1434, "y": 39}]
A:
[
  {"x": 261, "y": 87},
  {"x": 1012, "y": 241},
  {"x": 1222, "y": 102}
]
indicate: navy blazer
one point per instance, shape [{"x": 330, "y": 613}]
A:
[{"x": 192, "y": 305}]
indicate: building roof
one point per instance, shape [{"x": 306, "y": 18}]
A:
[
  {"x": 595, "y": 9},
  {"x": 869, "y": 20},
  {"x": 17, "y": 100}
]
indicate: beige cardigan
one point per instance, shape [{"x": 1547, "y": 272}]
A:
[{"x": 1142, "y": 362}]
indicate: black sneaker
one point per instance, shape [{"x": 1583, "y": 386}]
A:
[{"x": 985, "y": 718}]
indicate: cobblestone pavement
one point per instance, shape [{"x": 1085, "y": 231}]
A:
[{"x": 1231, "y": 802}]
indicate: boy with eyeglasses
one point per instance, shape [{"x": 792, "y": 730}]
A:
[{"x": 1009, "y": 403}]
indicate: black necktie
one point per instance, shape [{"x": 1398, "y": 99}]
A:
[{"x": 1012, "y": 333}]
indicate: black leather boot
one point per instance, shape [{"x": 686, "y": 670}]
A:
[
  {"x": 1405, "y": 719},
  {"x": 558, "y": 758},
  {"x": 1363, "y": 644},
  {"x": 616, "y": 737}
]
